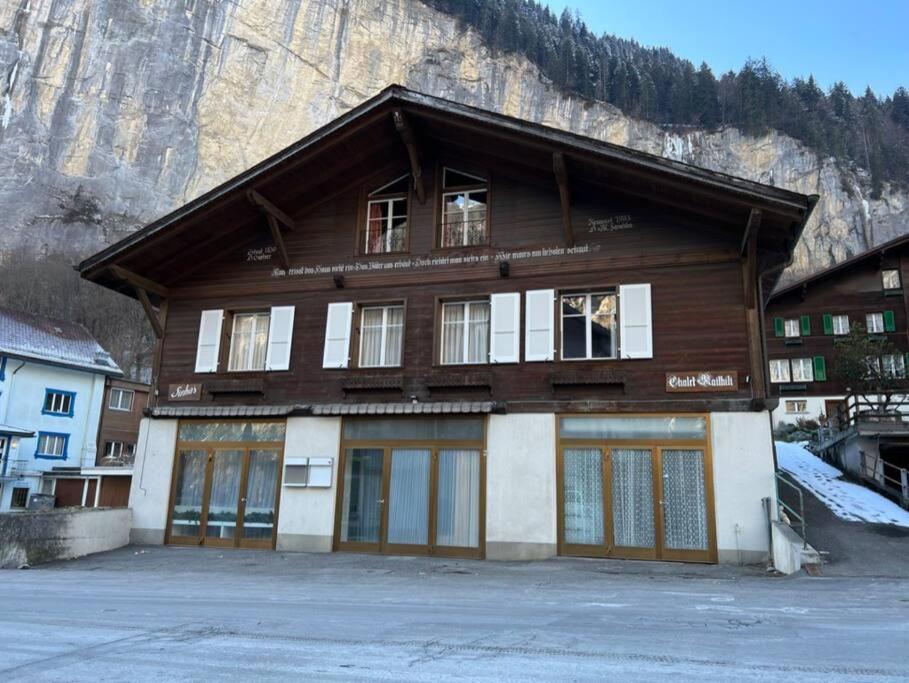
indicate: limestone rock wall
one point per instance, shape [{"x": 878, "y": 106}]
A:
[{"x": 113, "y": 112}]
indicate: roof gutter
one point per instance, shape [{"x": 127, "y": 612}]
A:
[{"x": 812, "y": 202}]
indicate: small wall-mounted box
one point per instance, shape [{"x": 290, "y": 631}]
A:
[{"x": 307, "y": 472}]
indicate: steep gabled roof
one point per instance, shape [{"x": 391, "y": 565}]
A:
[
  {"x": 842, "y": 266},
  {"x": 209, "y": 218},
  {"x": 56, "y": 342}
]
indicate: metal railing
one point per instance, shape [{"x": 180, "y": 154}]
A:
[
  {"x": 796, "y": 517},
  {"x": 888, "y": 477}
]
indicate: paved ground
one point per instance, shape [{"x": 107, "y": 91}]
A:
[
  {"x": 199, "y": 614},
  {"x": 853, "y": 548}
]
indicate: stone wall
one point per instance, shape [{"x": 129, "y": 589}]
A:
[{"x": 31, "y": 538}]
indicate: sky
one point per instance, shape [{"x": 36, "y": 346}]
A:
[{"x": 861, "y": 43}]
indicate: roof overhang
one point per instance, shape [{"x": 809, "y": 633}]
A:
[{"x": 218, "y": 215}]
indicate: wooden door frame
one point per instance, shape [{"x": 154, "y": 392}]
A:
[
  {"x": 208, "y": 448},
  {"x": 434, "y": 446},
  {"x": 655, "y": 446}
]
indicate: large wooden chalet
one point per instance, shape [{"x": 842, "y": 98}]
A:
[{"x": 431, "y": 329}]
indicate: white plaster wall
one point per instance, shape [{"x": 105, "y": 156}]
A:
[
  {"x": 149, "y": 492},
  {"x": 521, "y": 486},
  {"x": 306, "y": 516},
  {"x": 743, "y": 474},
  {"x": 815, "y": 407}
]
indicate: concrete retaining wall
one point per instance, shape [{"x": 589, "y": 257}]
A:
[{"x": 35, "y": 537}]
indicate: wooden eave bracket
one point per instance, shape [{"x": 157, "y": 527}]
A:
[
  {"x": 402, "y": 125},
  {"x": 274, "y": 216},
  {"x": 749, "y": 252},
  {"x": 142, "y": 286},
  {"x": 561, "y": 175}
]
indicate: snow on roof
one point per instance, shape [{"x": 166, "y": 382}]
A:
[
  {"x": 58, "y": 342},
  {"x": 848, "y": 501}
]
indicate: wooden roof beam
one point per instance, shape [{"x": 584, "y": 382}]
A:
[
  {"x": 137, "y": 280},
  {"x": 561, "y": 174},
  {"x": 278, "y": 239},
  {"x": 150, "y": 312},
  {"x": 270, "y": 209},
  {"x": 751, "y": 228},
  {"x": 402, "y": 125}
]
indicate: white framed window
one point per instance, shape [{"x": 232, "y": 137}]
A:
[
  {"x": 796, "y": 406},
  {"x": 588, "y": 326},
  {"x": 386, "y": 218},
  {"x": 58, "y": 402},
  {"x": 792, "y": 328},
  {"x": 381, "y": 334},
  {"x": 119, "y": 449},
  {"x": 464, "y": 201},
  {"x": 465, "y": 332},
  {"x": 249, "y": 341},
  {"x": 893, "y": 365},
  {"x": 874, "y": 323},
  {"x": 121, "y": 399},
  {"x": 802, "y": 370},
  {"x": 51, "y": 445},
  {"x": 19, "y": 498},
  {"x": 779, "y": 371},
  {"x": 840, "y": 324},
  {"x": 890, "y": 279}
]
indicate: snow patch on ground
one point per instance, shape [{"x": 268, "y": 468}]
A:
[{"x": 848, "y": 501}]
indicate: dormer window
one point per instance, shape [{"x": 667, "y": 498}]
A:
[
  {"x": 386, "y": 218},
  {"x": 464, "y": 209}
]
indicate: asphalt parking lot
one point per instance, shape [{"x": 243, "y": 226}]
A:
[{"x": 200, "y": 614}]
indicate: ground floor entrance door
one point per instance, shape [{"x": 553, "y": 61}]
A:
[
  {"x": 648, "y": 499},
  {"x": 225, "y": 494},
  {"x": 411, "y": 498}
]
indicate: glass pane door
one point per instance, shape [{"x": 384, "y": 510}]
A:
[
  {"x": 582, "y": 496},
  {"x": 224, "y": 498},
  {"x": 458, "y": 498},
  {"x": 408, "y": 496},
  {"x": 685, "y": 526},
  {"x": 361, "y": 511},
  {"x": 632, "y": 501},
  {"x": 259, "y": 503},
  {"x": 189, "y": 489}
]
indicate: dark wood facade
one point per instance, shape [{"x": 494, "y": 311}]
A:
[
  {"x": 119, "y": 423},
  {"x": 564, "y": 213},
  {"x": 855, "y": 289}
]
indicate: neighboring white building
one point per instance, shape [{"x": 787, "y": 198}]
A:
[{"x": 52, "y": 376}]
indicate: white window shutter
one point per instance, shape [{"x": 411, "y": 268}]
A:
[
  {"x": 337, "y": 335},
  {"x": 209, "y": 345},
  {"x": 539, "y": 332},
  {"x": 505, "y": 327},
  {"x": 635, "y": 321},
  {"x": 280, "y": 335}
]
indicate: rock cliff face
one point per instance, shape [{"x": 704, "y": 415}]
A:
[{"x": 113, "y": 112}]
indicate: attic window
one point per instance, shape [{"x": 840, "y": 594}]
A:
[
  {"x": 464, "y": 209},
  {"x": 386, "y": 218}
]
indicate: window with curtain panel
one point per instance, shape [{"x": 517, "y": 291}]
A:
[
  {"x": 588, "y": 325},
  {"x": 792, "y": 327},
  {"x": 802, "y": 370},
  {"x": 890, "y": 279},
  {"x": 386, "y": 218},
  {"x": 465, "y": 332},
  {"x": 779, "y": 371},
  {"x": 874, "y": 323},
  {"x": 464, "y": 199},
  {"x": 381, "y": 335},
  {"x": 249, "y": 341},
  {"x": 840, "y": 324},
  {"x": 893, "y": 365}
]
